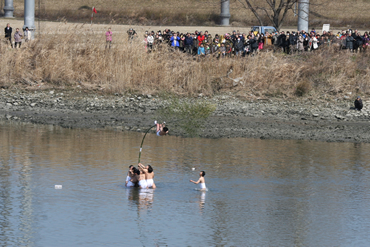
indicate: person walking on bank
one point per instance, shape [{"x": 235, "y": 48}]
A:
[
  {"x": 108, "y": 36},
  {"x": 8, "y": 34},
  {"x": 17, "y": 38}
]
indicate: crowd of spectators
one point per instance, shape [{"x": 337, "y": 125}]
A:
[{"x": 241, "y": 44}]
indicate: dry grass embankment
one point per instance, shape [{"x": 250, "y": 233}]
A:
[
  {"x": 340, "y": 13},
  {"x": 80, "y": 58}
]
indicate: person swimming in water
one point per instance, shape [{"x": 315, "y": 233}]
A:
[
  {"x": 149, "y": 175},
  {"x": 162, "y": 130},
  {"x": 201, "y": 181}
]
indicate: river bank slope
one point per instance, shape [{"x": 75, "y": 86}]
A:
[{"x": 300, "y": 119}]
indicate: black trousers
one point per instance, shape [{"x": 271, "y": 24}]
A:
[{"x": 10, "y": 40}]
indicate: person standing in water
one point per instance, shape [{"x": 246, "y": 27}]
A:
[
  {"x": 130, "y": 176},
  {"x": 149, "y": 175},
  {"x": 201, "y": 181},
  {"x": 140, "y": 175}
]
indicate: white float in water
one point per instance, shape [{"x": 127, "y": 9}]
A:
[
  {"x": 193, "y": 169},
  {"x": 58, "y": 187}
]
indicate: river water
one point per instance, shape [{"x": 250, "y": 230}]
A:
[{"x": 261, "y": 192}]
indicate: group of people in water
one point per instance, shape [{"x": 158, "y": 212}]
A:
[{"x": 143, "y": 176}]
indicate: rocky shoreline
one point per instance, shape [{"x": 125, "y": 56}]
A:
[{"x": 301, "y": 119}]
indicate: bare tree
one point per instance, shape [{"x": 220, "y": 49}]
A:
[{"x": 274, "y": 10}]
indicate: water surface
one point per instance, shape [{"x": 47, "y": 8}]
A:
[{"x": 261, "y": 192}]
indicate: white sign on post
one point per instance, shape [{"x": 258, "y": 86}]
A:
[{"x": 326, "y": 27}]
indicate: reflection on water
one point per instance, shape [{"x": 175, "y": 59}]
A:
[
  {"x": 202, "y": 199},
  {"x": 261, "y": 192},
  {"x": 141, "y": 199}
]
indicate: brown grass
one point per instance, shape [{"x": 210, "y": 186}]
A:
[
  {"x": 79, "y": 58},
  {"x": 343, "y": 13}
]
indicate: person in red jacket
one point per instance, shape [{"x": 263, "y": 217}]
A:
[{"x": 200, "y": 38}]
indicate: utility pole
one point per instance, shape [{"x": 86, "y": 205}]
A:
[
  {"x": 8, "y": 9},
  {"x": 38, "y": 21},
  {"x": 29, "y": 16},
  {"x": 303, "y": 11},
  {"x": 225, "y": 12}
]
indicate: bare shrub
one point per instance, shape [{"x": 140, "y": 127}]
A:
[
  {"x": 189, "y": 115},
  {"x": 303, "y": 88}
]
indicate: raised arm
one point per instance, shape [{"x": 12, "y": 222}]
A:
[
  {"x": 197, "y": 182},
  {"x": 142, "y": 168},
  {"x": 158, "y": 126}
]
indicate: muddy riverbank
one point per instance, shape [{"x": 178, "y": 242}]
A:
[{"x": 301, "y": 119}]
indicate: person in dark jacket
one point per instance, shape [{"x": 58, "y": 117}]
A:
[
  {"x": 131, "y": 34},
  {"x": 287, "y": 43},
  {"x": 358, "y": 103},
  {"x": 282, "y": 41},
  {"x": 358, "y": 42},
  {"x": 234, "y": 39},
  {"x": 239, "y": 47},
  {"x": 188, "y": 43},
  {"x": 8, "y": 34},
  {"x": 306, "y": 43},
  {"x": 349, "y": 42},
  {"x": 293, "y": 42},
  {"x": 195, "y": 42},
  {"x": 254, "y": 44}
]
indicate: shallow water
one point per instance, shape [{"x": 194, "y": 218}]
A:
[{"x": 261, "y": 192}]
